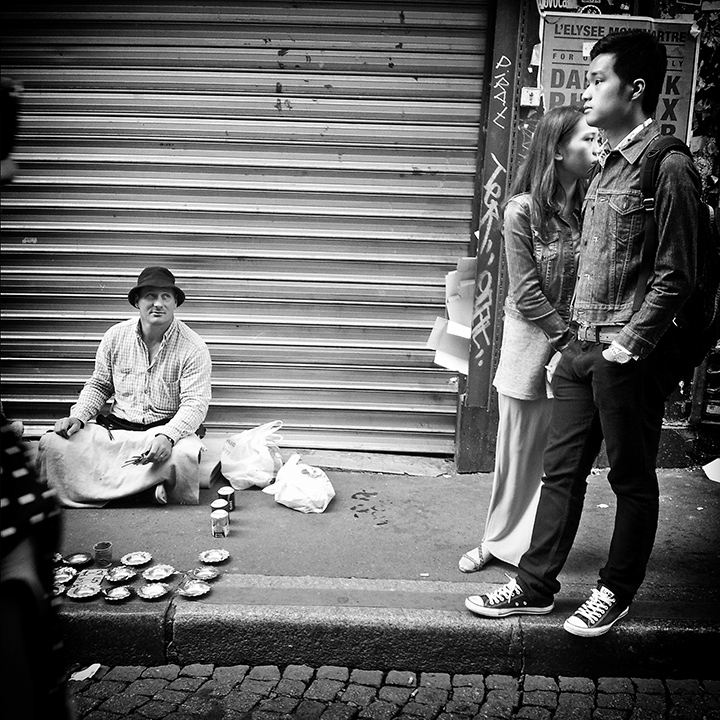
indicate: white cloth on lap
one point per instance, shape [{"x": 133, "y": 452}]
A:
[{"x": 88, "y": 470}]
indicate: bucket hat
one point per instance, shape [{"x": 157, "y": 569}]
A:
[{"x": 158, "y": 277}]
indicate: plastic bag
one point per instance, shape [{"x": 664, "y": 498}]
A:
[
  {"x": 252, "y": 458},
  {"x": 301, "y": 487}
]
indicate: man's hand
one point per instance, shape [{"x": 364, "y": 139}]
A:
[
  {"x": 67, "y": 426},
  {"x": 159, "y": 450}
]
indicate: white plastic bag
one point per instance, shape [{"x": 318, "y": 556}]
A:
[
  {"x": 301, "y": 487},
  {"x": 252, "y": 458}
]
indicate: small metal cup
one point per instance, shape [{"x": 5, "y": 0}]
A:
[
  {"x": 103, "y": 553},
  {"x": 220, "y": 504},
  {"x": 220, "y": 521},
  {"x": 227, "y": 492}
]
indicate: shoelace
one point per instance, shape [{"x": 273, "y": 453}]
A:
[
  {"x": 504, "y": 593},
  {"x": 599, "y": 602}
]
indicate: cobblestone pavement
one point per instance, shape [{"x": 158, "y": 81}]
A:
[{"x": 206, "y": 692}]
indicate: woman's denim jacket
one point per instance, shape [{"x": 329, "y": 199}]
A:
[
  {"x": 541, "y": 269},
  {"x": 612, "y": 237}
]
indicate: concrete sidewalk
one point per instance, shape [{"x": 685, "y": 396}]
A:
[{"x": 373, "y": 582}]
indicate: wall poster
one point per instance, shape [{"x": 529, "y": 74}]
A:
[{"x": 567, "y": 38}]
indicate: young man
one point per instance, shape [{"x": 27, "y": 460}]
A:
[
  {"x": 612, "y": 382},
  {"x": 157, "y": 371}
]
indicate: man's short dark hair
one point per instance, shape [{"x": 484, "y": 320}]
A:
[{"x": 638, "y": 54}]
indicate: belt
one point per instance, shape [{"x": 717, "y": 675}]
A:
[
  {"x": 111, "y": 422},
  {"x": 597, "y": 333}
]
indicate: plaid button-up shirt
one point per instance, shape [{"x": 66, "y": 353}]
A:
[{"x": 175, "y": 386}]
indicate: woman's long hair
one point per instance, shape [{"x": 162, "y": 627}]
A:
[{"x": 537, "y": 174}]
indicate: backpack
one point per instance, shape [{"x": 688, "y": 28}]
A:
[{"x": 700, "y": 315}]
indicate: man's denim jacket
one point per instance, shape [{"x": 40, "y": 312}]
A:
[
  {"x": 541, "y": 269},
  {"x": 612, "y": 237}
]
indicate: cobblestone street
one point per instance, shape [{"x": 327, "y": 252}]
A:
[{"x": 268, "y": 692}]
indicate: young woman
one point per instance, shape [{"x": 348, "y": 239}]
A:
[{"x": 541, "y": 232}]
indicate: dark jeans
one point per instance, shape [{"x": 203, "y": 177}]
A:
[{"x": 624, "y": 404}]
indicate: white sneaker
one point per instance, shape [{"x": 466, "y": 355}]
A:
[{"x": 597, "y": 614}]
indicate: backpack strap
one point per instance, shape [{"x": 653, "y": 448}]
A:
[{"x": 656, "y": 151}]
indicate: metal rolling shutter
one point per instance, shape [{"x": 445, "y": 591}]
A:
[{"x": 306, "y": 169}]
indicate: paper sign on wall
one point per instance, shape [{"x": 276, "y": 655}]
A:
[{"x": 567, "y": 39}]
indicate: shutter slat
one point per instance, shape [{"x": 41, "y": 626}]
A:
[{"x": 249, "y": 89}]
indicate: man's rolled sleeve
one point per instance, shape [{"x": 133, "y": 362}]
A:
[{"x": 99, "y": 388}]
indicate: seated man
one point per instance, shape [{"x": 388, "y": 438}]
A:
[{"x": 157, "y": 370}]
